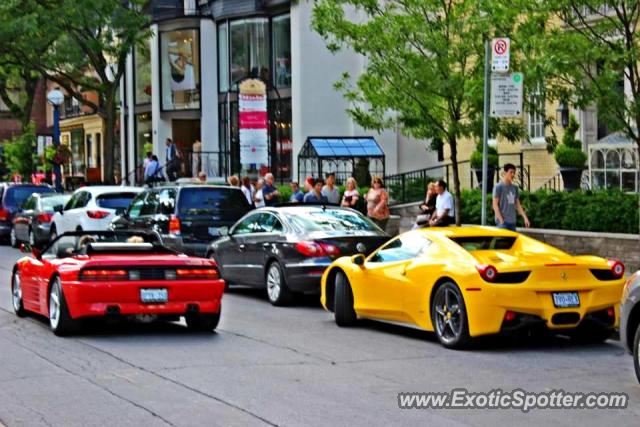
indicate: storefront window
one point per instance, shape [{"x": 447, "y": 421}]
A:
[
  {"x": 142, "y": 65},
  {"x": 281, "y": 28},
  {"x": 143, "y": 135},
  {"x": 180, "y": 65},
  {"x": 223, "y": 56},
  {"x": 77, "y": 148},
  {"x": 250, "y": 49}
]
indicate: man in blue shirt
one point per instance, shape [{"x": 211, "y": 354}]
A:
[
  {"x": 297, "y": 196},
  {"x": 315, "y": 195},
  {"x": 269, "y": 192}
]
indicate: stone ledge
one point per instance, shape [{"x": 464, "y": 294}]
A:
[{"x": 572, "y": 233}]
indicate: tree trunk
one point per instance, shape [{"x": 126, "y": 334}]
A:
[
  {"x": 109, "y": 141},
  {"x": 456, "y": 179}
]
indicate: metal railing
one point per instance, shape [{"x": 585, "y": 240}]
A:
[
  {"x": 411, "y": 186},
  {"x": 555, "y": 183}
]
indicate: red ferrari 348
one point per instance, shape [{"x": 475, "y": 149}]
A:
[{"x": 115, "y": 274}]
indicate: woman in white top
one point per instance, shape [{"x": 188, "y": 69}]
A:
[
  {"x": 257, "y": 197},
  {"x": 351, "y": 194},
  {"x": 247, "y": 189}
]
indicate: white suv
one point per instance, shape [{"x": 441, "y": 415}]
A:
[{"x": 92, "y": 208}]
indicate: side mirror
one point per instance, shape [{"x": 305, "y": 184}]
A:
[
  {"x": 25, "y": 248},
  {"x": 58, "y": 208},
  {"x": 223, "y": 231},
  {"x": 358, "y": 259}
]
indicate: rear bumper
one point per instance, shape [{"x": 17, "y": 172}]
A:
[
  {"x": 97, "y": 299},
  {"x": 487, "y": 307},
  {"x": 305, "y": 276},
  {"x": 5, "y": 229},
  {"x": 42, "y": 232}
]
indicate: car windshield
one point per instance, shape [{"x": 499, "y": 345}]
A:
[
  {"x": 17, "y": 195},
  {"x": 77, "y": 243},
  {"x": 204, "y": 201},
  {"x": 118, "y": 201},
  {"x": 49, "y": 203},
  {"x": 319, "y": 219},
  {"x": 478, "y": 243}
]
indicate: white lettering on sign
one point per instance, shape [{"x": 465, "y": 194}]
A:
[{"x": 506, "y": 95}]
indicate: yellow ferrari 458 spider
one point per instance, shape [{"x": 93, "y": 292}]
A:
[{"x": 463, "y": 282}]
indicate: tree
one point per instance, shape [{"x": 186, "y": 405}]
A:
[
  {"x": 18, "y": 152},
  {"x": 424, "y": 63},
  {"x": 87, "y": 43},
  {"x": 591, "y": 51}
]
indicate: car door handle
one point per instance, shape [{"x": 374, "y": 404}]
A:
[
  {"x": 241, "y": 247},
  {"x": 266, "y": 245}
]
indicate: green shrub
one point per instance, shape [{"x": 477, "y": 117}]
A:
[
  {"x": 598, "y": 211},
  {"x": 476, "y": 157},
  {"x": 569, "y": 157}
]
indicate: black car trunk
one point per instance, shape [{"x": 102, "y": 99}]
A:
[{"x": 363, "y": 243}]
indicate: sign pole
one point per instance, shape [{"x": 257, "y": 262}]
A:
[{"x": 485, "y": 131}]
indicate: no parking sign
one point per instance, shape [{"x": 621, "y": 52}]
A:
[{"x": 500, "y": 54}]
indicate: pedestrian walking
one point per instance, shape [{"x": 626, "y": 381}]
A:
[
  {"x": 506, "y": 201},
  {"x": 315, "y": 195},
  {"x": 172, "y": 157},
  {"x": 258, "y": 198},
  {"x": 351, "y": 194},
  {"x": 269, "y": 192},
  {"x": 330, "y": 191},
  {"x": 445, "y": 213},
  {"x": 247, "y": 189},
  {"x": 378, "y": 203},
  {"x": 153, "y": 172}
]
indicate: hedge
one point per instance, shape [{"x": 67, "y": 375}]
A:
[{"x": 603, "y": 211}]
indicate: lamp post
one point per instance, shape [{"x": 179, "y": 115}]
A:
[{"x": 56, "y": 98}]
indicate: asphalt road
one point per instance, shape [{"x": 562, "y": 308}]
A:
[{"x": 283, "y": 366}]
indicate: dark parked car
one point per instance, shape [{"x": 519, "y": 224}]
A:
[
  {"x": 286, "y": 249},
  {"x": 12, "y": 196},
  {"x": 630, "y": 319},
  {"x": 187, "y": 217},
  {"x": 32, "y": 223}
]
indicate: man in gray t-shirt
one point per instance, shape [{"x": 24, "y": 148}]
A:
[
  {"x": 330, "y": 191},
  {"x": 506, "y": 201}
]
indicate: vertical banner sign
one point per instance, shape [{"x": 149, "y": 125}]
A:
[
  {"x": 500, "y": 54},
  {"x": 254, "y": 125}
]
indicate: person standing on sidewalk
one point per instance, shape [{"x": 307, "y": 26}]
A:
[{"x": 506, "y": 201}]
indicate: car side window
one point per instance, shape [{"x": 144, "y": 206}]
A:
[
  {"x": 29, "y": 204},
  {"x": 248, "y": 225},
  {"x": 167, "y": 201},
  {"x": 71, "y": 204},
  {"x": 402, "y": 248},
  {"x": 269, "y": 223},
  {"x": 84, "y": 200},
  {"x": 136, "y": 205}
]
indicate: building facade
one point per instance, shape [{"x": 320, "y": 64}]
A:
[{"x": 186, "y": 84}]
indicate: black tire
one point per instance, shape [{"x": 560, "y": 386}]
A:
[
  {"x": 16, "y": 294},
  {"x": 212, "y": 256},
  {"x": 278, "y": 292},
  {"x": 344, "y": 313},
  {"x": 61, "y": 322},
  {"x": 203, "y": 322},
  {"x": 449, "y": 316},
  {"x": 32, "y": 238},
  {"x": 53, "y": 233},
  {"x": 13, "y": 239},
  {"x": 636, "y": 353}
]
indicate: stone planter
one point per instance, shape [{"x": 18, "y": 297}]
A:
[{"x": 571, "y": 177}]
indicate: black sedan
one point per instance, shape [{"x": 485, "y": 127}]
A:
[
  {"x": 32, "y": 223},
  {"x": 630, "y": 319},
  {"x": 286, "y": 249}
]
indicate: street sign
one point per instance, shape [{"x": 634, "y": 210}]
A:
[
  {"x": 500, "y": 54},
  {"x": 506, "y": 95}
]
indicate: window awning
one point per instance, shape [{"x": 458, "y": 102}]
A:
[{"x": 336, "y": 147}]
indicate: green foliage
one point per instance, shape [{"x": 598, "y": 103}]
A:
[
  {"x": 570, "y": 157},
  {"x": 19, "y": 152},
  {"x": 148, "y": 148},
  {"x": 476, "y": 157},
  {"x": 569, "y": 154},
  {"x": 598, "y": 211}
]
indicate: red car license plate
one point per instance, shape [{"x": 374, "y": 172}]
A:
[
  {"x": 153, "y": 295},
  {"x": 566, "y": 299}
]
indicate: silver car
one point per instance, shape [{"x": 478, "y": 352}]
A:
[{"x": 630, "y": 319}]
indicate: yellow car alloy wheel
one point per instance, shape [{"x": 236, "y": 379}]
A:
[{"x": 449, "y": 316}]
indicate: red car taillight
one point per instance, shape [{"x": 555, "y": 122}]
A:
[
  {"x": 317, "y": 249},
  {"x": 44, "y": 217},
  {"x": 617, "y": 268},
  {"x": 174, "y": 225},
  {"x": 487, "y": 272},
  {"x": 4, "y": 215},
  {"x": 97, "y": 214},
  {"x": 197, "y": 273},
  {"x": 103, "y": 275}
]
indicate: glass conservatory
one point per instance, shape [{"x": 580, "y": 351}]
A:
[
  {"x": 360, "y": 157},
  {"x": 613, "y": 163}
]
